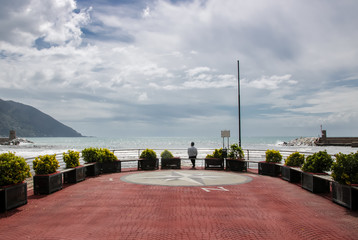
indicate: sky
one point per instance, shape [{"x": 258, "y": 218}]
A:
[{"x": 132, "y": 68}]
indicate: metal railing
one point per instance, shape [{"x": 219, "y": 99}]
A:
[{"x": 253, "y": 156}]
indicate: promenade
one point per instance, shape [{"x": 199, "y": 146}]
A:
[{"x": 180, "y": 204}]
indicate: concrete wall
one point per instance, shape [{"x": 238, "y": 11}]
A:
[
  {"x": 2, "y": 140},
  {"x": 344, "y": 141},
  {"x": 336, "y": 141}
]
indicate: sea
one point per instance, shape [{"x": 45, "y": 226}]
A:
[{"x": 43, "y": 145}]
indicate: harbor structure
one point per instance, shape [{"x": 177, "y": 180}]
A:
[{"x": 336, "y": 141}]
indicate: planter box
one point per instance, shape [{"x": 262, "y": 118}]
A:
[
  {"x": 345, "y": 195},
  {"x": 314, "y": 184},
  {"x": 93, "y": 169},
  {"x": 236, "y": 165},
  {"x": 13, "y": 196},
  {"x": 148, "y": 164},
  {"x": 75, "y": 175},
  {"x": 290, "y": 174},
  {"x": 269, "y": 169},
  {"x": 111, "y": 167},
  {"x": 214, "y": 163},
  {"x": 172, "y": 163},
  {"x": 46, "y": 184}
]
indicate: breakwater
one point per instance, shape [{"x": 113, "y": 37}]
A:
[
  {"x": 302, "y": 141},
  {"x": 336, "y": 141}
]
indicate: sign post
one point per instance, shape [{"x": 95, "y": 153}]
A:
[{"x": 225, "y": 134}]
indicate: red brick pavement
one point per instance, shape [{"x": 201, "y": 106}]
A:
[{"x": 105, "y": 207}]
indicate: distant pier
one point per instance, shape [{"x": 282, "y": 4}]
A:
[{"x": 336, "y": 141}]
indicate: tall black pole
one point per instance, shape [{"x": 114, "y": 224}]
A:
[{"x": 238, "y": 89}]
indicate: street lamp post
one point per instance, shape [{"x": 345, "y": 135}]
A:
[{"x": 238, "y": 79}]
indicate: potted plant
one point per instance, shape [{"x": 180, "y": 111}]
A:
[
  {"x": 235, "y": 160},
  {"x": 148, "y": 160},
  {"x": 47, "y": 180},
  {"x": 315, "y": 166},
  {"x": 90, "y": 156},
  {"x": 290, "y": 171},
  {"x": 215, "y": 160},
  {"x": 269, "y": 166},
  {"x": 345, "y": 175},
  {"x": 108, "y": 161},
  {"x": 13, "y": 188},
  {"x": 168, "y": 161},
  {"x": 74, "y": 172}
]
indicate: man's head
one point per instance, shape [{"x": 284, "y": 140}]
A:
[{"x": 192, "y": 144}]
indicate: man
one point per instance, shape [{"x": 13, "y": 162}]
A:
[{"x": 192, "y": 153}]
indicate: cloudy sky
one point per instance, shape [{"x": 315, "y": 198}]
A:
[{"x": 169, "y": 67}]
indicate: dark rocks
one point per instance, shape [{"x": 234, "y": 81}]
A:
[
  {"x": 15, "y": 141},
  {"x": 302, "y": 141}
]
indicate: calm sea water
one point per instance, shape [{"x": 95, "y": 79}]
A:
[{"x": 42, "y": 146}]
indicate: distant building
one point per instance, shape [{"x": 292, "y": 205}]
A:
[{"x": 11, "y": 137}]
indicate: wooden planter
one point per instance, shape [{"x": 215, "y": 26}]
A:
[
  {"x": 269, "y": 169},
  {"x": 172, "y": 163},
  {"x": 75, "y": 175},
  {"x": 236, "y": 165},
  {"x": 290, "y": 174},
  {"x": 46, "y": 184},
  {"x": 214, "y": 163},
  {"x": 144, "y": 164},
  {"x": 314, "y": 184},
  {"x": 93, "y": 169},
  {"x": 13, "y": 196},
  {"x": 345, "y": 195},
  {"x": 111, "y": 167}
]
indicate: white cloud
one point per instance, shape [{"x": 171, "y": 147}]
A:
[
  {"x": 143, "y": 97},
  {"x": 270, "y": 83},
  {"x": 146, "y": 12},
  {"x": 197, "y": 70},
  {"x": 339, "y": 101},
  {"x": 292, "y": 55},
  {"x": 54, "y": 21}
]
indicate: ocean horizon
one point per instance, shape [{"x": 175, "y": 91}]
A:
[{"x": 50, "y": 145}]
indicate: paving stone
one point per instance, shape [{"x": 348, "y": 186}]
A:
[{"x": 106, "y": 207}]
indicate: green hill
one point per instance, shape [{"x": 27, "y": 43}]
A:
[{"x": 28, "y": 121}]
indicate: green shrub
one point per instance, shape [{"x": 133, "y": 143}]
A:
[
  {"x": 345, "y": 168},
  {"x": 13, "y": 169},
  {"x": 319, "y": 162},
  {"x": 46, "y": 164},
  {"x": 236, "y": 152},
  {"x": 105, "y": 155},
  {"x": 90, "y": 155},
  {"x": 148, "y": 154},
  {"x": 218, "y": 153},
  {"x": 71, "y": 158},
  {"x": 98, "y": 155},
  {"x": 273, "y": 156},
  {"x": 295, "y": 160},
  {"x": 166, "y": 154}
]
